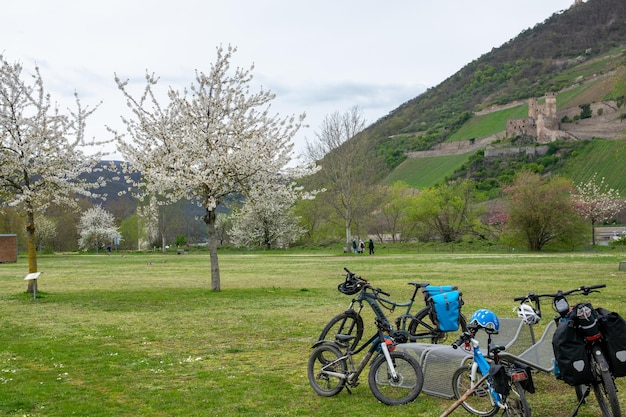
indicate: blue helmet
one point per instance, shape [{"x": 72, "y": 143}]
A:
[{"x": 484, "y": 319}]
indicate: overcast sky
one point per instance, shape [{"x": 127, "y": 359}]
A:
[{"x": 318, "y": 57}]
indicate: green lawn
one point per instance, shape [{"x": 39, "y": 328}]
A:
[{"x": 143, "y": 335}]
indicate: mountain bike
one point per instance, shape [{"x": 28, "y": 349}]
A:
[
  {"x": 422, "y": 326},
  {"x": 484, "y": 388},
  {"x": 589, "y": 347},
  {"x": 394, "y": 377}
]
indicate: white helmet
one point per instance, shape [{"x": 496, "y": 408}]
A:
[{"x": 527, "y": 314}]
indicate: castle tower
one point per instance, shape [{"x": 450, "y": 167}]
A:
[
  {"x": 550, "y": 106},
  {"x": 532, "y": 108}
]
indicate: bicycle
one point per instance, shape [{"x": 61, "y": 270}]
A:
[
  {"x": 484, "y": 388},
  {"x": 580, "y": 346},
  {"x": 409, "y": 327},
  {"x": 395, "y": 378}
]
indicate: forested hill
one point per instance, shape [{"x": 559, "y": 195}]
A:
[{"x": 526, "y": 66}]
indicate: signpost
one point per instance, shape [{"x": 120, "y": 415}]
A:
[{"x": 33, "y": 277}]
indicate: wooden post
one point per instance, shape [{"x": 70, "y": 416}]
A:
[{"x": 463, "y": 397}]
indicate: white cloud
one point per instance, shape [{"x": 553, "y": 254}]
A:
[{"x": 317, "y": 56}]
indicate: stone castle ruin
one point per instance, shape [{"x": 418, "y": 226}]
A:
[{"x": 542, "y": 124}]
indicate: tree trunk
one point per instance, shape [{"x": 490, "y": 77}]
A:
[
  {"x": 209, "y": 219},
  {"x": 593, "y": 233},
  {"x": 348, "y": 234},
  {"x": 32, "y": 248}
]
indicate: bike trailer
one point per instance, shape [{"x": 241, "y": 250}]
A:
[
  {"x": 570, "y": 354},
  {"x": 446, "y": 306},
  {"x": 613, "y": 329}
]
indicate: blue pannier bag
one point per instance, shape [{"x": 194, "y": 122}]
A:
[{"x": 446, "y": 303}]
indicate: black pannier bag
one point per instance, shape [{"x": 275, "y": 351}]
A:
[
  {"x": 526, "y": 381},
  {"x": 613, "y": 329},
  {"x": 499, "y": 379},
  {"x": 570, "y": 354}
]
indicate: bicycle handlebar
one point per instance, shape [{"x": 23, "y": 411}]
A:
[
  {"x": 366, "y": 284},
  {"x": 463, "y": 338},
  {"x": 584, "y": 289}
]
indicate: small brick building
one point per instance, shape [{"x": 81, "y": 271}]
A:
[{"x": 8, "y": 248}]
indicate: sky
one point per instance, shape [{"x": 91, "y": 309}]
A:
[{"x": 318, "y": 57}]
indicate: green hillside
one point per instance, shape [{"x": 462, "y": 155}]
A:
[
  {"x": 584, "y": 42},
  {"x": 488, "y": 124},
  {"x": 607, "y": 158},
  {"x": 426, "y": 172}
]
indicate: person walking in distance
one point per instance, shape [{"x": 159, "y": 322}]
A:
[{"x": 370, "y": 245}]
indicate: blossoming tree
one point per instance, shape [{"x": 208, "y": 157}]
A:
[
  {"x": 597, "y": 202},
  {"x": 97, "y": 228},
  {"x": 211, "y": 141},
  {"x": 42, "y": 150},
  {"x": 268, "y": 219}
]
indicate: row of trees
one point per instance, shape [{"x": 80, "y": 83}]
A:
[
  {"x": 215, "y": 144},
  {"x": 204, "y": 144},
  {"x": 532, "y": 212}
]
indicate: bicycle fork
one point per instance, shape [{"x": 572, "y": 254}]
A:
[
  {"x": 484, "y": 370},
  {"x": 392, "y": 368}
]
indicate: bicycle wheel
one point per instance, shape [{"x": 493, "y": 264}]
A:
[
  {"x": 480, "y": 402},
  {"x": 401, "y": 390},
  {"x": 422, "y": 327},
  {"x": 605, "y": 390},
  {"x": 349, "y": 323},
  {"x": 324, "y": 360},
  {"x": 517, "y": 405}
]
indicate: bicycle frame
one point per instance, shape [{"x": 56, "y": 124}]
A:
[
  {"x": 481, "y": 364},
  {"x": 372, "y": 299},
  {"x": 354, "y": 372}
]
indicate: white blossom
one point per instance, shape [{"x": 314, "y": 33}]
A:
[
  {"x": 210, "y": 141},
  {"x": 267, "y": 218},
  {"x": 42, "y": 150},
  {"x": 97, "y": 228},
  {"x": 597, "y": 202}
]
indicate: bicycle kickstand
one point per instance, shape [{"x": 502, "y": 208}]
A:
[{"x": 582, "y": 401}]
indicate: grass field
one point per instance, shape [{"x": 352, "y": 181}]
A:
[{"x": 143, "y": 335}]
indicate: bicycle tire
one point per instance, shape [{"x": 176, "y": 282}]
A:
[
  {"x": 604, "y": 389},
  {"x": 349, "y": 323},
  {"x": 405, "y": 388},
  {"x": 517, "y": 404},
  {"x": 422, "y": 327},
  {"x": 480, "y": 402},
  {"x": 327, "y": 357}
]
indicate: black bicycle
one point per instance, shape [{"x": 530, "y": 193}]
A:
[
  {"x": 425, "y": 325},
  {"x": 394, "y": 378},
  {"x": 589, "y": 347}
]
